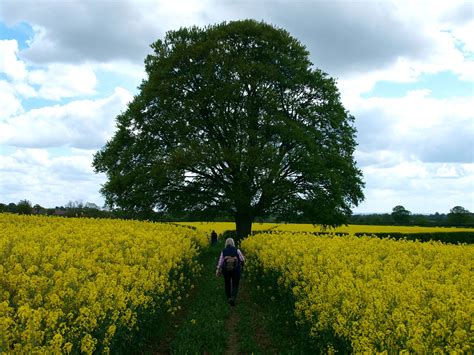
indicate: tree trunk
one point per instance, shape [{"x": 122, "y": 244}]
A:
[{"x": 243, "y": 225}]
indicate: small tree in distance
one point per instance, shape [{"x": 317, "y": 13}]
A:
[
  {"x": 458, "y": 215},
  {"x": 233, "y": 119},
  {"x": 401, "y": 215},
  {"x": 24, "y": 207}
]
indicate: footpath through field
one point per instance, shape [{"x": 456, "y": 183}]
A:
[{"x": 208, "y": 325}]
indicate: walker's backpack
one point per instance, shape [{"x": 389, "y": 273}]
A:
[{"x": 231, "y": 262}]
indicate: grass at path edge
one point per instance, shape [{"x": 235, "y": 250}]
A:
[{"x": 203, "y": 327}]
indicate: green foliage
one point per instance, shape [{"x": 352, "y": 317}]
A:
[
  {"x": 197, "y": 328},
  {"x": 401, "y": 215},
  {"x": 458, "y": 215},
  {"x": 445, "y": 237},
  {"x": 24, "y": 207},
  {"x": 248, "y": 325},
  {"x": 375, "y": 218},
  {"x": 420, "y": 220},
  {"x": 202, "y": 329},
  {"x": 233, "y": 119},
  {"x": 288, "y": 335},
  {"x": 431, "y": 220}
]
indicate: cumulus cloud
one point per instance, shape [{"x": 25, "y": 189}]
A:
[
  {"x": 411, "y": 148},
  {"x": 416, "y": 151},
  {"x": 353, "y": 36},
  {"x": 9, "y": 63},
  {"x": 59, "y": 81},
  {"x": 83, "y": 124},
  {"x": 416, "y": 125},
  {"x": 360, "y": 41},
  {"x": 52, "y": 82},
  {"x": 342, "y": 36},
  {"x": 49, "y": 179},
  {"x": 124, "y": 68},
  {"x": 9, "y": 104},
  {"x": 347, "y": 38},
  {"x": 77, "y": 31},
  {"x": 420, "y": 187}
]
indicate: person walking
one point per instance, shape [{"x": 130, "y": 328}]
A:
[
  {"x": 213, "y": 238},
  {"x": 230, "y": 266}
]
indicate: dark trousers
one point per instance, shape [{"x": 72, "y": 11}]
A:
[{"x": 231, "y": 279}]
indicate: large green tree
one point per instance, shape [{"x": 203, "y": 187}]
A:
[{"x": 233, "y": 118}]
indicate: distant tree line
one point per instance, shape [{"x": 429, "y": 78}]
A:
[
  {"x": 71, "y": 209},
  {"x": 458, "y": 216},
  {"x": 92, "y": 210}
]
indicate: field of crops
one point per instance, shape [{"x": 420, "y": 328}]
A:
[
  {"x": 220, "y": 227},
  {"x": 83, "y": 285},
  {"x": 368, "y": 229},
  {"x": 370, "y": 294}
]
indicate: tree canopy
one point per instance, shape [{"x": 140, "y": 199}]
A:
[
  {"x": 459, "y": 215},
  {"x": 24, "y": 207},
  {"x": 233, "y": 118},
  {"x": 401, "y": 215}
]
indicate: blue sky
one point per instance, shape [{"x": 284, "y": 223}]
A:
[
  {"x": 442, "y": 85},
  {"x": 405, "y": 71},
  {"x": 21, "y": 31}
]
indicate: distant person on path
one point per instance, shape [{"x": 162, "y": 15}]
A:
[
  {"x": 230, "y": 265},
  {"x": 213, "y": 238}
]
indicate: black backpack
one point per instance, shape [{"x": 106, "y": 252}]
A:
[{"x": 231, "y": 262}]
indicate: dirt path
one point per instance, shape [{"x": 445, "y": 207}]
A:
[
  {"x": 261, "y": 341},
  {"x": 207, "y": 324},
  {"x": 245, "y": 325},
  {"x": 233, "y": 338}
]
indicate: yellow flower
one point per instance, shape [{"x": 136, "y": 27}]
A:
[
  {"x": 377, "y": 294},
  {"x": 72, "y": 277}
]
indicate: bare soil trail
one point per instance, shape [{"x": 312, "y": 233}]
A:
[{"x": 233, "y": 337}]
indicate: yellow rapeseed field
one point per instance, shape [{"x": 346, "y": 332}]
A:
[
  {"x": 220, "y": 227},
  {"x": 376, "y": 294},
  {"x": 368, "y": 229},
  {"x": 79, "y": 285}
]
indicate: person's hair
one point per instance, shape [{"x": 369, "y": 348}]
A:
[{"x": 229, "y": 241}]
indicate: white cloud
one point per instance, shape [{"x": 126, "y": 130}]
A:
[
  {"x": 403, "y": 170},
  {"x": 463, "y": 34},
  {"x": 446, "y": 57},
  {"x": 9, "y": 63},
  {"x": 49, "y": 179},
  {"x": 64, "y": 80},
  {"x": 446, "y": 29},
  {"x": 83, "y": 123},
  {"x": 356, "y": 83},
  {"x": 360, "y": 42},
  {"x": 448, "y": 171},
  {"x": 413, "y": 148},
  {"x": 122, "y": 67},
  {"x": 100, "y": 31},
  {"x": 9, "y": 104},
  {"x": 418, "y": 125},
  {"x": 343, "y": 36},
  {"x": 53, "y": 81},
  {"x": 420, "y": 187},
  {"x": 379, "y": 158}
]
